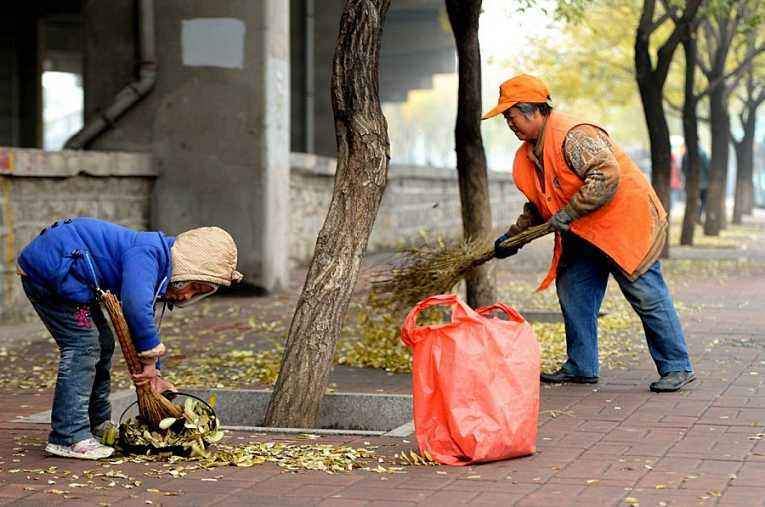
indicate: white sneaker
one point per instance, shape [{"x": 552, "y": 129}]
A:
[{"x": 90, "y": 448}]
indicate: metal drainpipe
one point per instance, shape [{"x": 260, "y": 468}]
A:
[
  {"x": 132, "y": 93},
  {"x": 309, "y": 76}
]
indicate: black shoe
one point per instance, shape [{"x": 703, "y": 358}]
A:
[
  {"x": 562, "y": 376},
  {"x": 672, "y": 381}
]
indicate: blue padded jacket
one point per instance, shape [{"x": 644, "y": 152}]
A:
[{"x": 72, "y": 256}]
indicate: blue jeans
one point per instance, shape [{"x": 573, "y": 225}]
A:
[
  {"x": 581, "y": 282},
  {"x": 86, "y": 344}
]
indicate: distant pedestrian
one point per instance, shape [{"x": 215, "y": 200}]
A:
[
  {"x": 675, "y": 180},
  {"x": 703, "y": 179}
]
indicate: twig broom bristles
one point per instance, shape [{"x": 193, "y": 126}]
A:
[
  {"x": 426, "y": 271},
  {"x": 152, "y": 406}
]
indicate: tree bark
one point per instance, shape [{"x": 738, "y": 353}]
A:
[
  {"x": 360, "y": 179},
  {"x": 691, "y": 136},
  {"x": 651, "y": 96},
  {"x": 744, "y": 167},
  {"x": 719, "y": 125},
  {"x": 471, "y": 158},
  {"x": 755, "y": 96}
]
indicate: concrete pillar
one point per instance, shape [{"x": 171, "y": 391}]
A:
[
  {"x": 217, "y": 122},
  {"x": 274, "y": 164}
]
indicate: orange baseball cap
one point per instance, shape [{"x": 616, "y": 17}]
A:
[{"x": 521, "y": 88}]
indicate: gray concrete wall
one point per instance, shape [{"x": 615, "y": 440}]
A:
[
  {"x": 417, "y": 200},
  {"x": 37, "y": 188},
  {"x": 217, "y": 121}
]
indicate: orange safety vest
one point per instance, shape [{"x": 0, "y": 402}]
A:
[{"x": 623, "y": 228}]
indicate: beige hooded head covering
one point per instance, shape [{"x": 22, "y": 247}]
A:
[{"x": 206, "y": 254}]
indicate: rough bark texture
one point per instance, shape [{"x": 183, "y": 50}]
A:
[
  {"x": 719, "y": 126},
  {"x": 362, "y": 170},
  {"x": 471, "y": 158},
  {"x": 744, "y": 166},
  {"x": 651, "y": 80},
  {"x": 744, "y": 196},
  {"x": 719, "y": 30},
  {"x": 691, "y": 135}
]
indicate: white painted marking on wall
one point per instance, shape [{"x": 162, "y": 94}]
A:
[{"x": 213, "y": 42}]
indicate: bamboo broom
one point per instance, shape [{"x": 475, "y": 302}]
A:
[
  {"x": 152, "y": 406},
  {"x": 424, "y": 271}
]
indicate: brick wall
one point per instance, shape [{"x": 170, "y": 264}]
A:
[{"x": 38, "y": 187}]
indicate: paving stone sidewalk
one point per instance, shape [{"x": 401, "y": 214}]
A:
[{"x": 613, "y": 443}]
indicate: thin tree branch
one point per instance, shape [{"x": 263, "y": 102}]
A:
[
  {"x": 667, "y": 50},
  {"x": 656, "y": 24}
]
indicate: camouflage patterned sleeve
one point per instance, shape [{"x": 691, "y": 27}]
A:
[
  {"x": 528, "y": 218},
  {"x": 589, "y": 153}
]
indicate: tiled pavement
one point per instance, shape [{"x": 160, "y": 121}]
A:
[{"x": 614, "y": 443}]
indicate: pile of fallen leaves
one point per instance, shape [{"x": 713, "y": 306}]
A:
[
  {"x": 189, "y": 434},
  {"x": 120, "y": 472},
  {"x": 294, "y": 457}
]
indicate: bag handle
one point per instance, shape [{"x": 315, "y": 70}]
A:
[
  {"x": 459, "y": 310},
  {"x": 511, "y": 312}
]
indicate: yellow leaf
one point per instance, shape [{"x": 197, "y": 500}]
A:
[{"x": 167, "y": 422}]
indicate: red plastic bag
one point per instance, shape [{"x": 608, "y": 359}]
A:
[{"x": 475, "y": 383}]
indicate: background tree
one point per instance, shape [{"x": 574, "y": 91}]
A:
[
  {"x": 362, "y": 171},
  {"x": 751, "y": 98},
  {"x": 589, "y": 67},
  {"x": 727, "y": 19},
  {"x": 471, "y": 158},
  {"x": 651, "y": 79},
  {"x": 691, "y": 134}
]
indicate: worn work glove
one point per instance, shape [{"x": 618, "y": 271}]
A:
[
  {"x": 561, "y": 221},
  {"x": 501, "y": 252}
]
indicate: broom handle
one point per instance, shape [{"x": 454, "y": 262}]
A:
[
  {"x": 528, "y": 235},
  {"x": 520, "y": 239},
  {"x": 114, "y": 309}
]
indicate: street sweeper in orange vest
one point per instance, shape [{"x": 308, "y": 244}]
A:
[{"x": 608, "y": 222}]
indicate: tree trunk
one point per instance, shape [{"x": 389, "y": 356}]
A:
[
  {"x": 650, "y": 80},
  {"x": 744, "y": 168},
  {"x": 658, "y": 131},
  {"x": 726, "y": 170},
  {"x": 360, "y": 179},
  {"x": 691, "y": 136},
  {"x": 720, "y": 132},
  {"x": 471, "y": 158}
]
